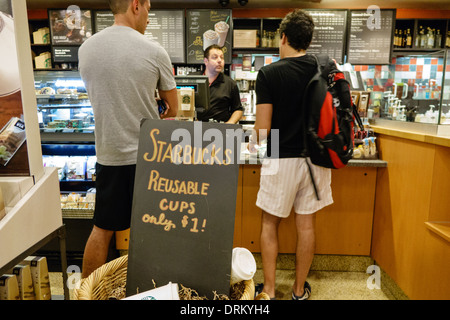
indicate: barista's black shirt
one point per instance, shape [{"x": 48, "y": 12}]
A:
[
  {"x": 224, "y": 99},
  {"x": 282, "y": 84}
]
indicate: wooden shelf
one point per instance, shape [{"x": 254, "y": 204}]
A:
[{"x": 441, "y": 228}]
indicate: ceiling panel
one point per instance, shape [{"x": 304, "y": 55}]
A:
[{"x": 95, "y": 4}]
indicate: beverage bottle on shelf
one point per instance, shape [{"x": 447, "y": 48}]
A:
[
  {"x": 270, "y": 40},
  {"x": 438, "y": 40},
  {"x": 277, "y": 39},
  {"x": 423, "y": 39},
  {"x": 396, "y": 38},
  {"x": 404, "y": 39},
  {"x": 417, "y": 38},
  {"x": 258, "y": 39},
  {"x": 264, "y": 39},
  {"x": 430, "y": 39},
  {"x": 399, "y": 39},
  {"x": 408, "y": 39}
]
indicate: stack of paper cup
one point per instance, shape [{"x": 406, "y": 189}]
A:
[
  {"x": 167, "y": 292},
  {"x": 243, "y": 265}
]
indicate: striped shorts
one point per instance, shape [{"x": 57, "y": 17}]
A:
[{"x": 286, "y": 183}]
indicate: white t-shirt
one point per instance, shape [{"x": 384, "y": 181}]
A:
[{"x": 121, "y": 69}]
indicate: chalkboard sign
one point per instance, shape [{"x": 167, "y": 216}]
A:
[
  {"x": 184, "y": 206},
  {"x": 70, "y": 26},
  {"x": 103, "y": 19},
  {"x": 371, "y": 36},
  {"x": 206, "y": 27},
  {"x": 65, "y": 54},
  {"x": 167, "y": 27},
  {"x": 329, "y": 33}
]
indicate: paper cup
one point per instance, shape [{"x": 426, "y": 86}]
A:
[
  {"x": 210, "y": 37},
  {"x": 167, "y": 292},
  {"x": 222, "y": 28},
  {"x": 243, "y": 265},
  {"x": 9, "y": 66}
]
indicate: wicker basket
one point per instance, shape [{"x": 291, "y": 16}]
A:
[{"x": 109, "y": 281}]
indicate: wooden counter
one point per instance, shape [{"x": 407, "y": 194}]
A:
[
  {"x": 345, "y": 227},
  {"x": 411, "y": 234}
]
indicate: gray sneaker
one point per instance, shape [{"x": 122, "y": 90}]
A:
[{"x": 306, "y": 293}]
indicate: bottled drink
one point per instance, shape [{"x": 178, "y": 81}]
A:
[
  {"x": 430, "y": 39},
  {"x": 417, "y": 38},
  {"x": 408, "y": 39},
  {"x": 264, "y": 39},
  {"x": 438, "y": 40},
  {"x": 396, "y": 38},
  {"x": 423, "y": 39}
]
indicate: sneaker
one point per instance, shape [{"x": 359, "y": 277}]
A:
[
  {"x": 306, "y": 293},
  {"x": 259, "y": 289}
]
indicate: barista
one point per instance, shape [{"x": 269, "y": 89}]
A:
[{"x": 225, "y": 101}]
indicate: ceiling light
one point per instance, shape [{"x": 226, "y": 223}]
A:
[
  {"x": 224, "y": 3},
  {"x": 242, "y": 2}
]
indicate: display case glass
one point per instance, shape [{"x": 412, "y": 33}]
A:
[
  {"x": 445, "y": 110},
  {"x": 415, "y": 87},
  {"x": 63, "y": 104}
]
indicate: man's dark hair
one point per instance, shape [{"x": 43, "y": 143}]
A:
[
  {"x": 213, "y": 46},
  {"x": 120, "y": 6},
  {"x": 298, "y": 27}
]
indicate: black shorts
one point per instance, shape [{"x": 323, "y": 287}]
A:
[{"x": 114, "y": 196}]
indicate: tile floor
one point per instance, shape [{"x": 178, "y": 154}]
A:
[{"x": 331, "y": 278}]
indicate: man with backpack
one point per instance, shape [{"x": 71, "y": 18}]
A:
[{"x": 286, "y": 180}]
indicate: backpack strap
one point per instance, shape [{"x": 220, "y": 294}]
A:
[
  {"x": 322, "y": 63},
  {"x": 312, "y": 179}
]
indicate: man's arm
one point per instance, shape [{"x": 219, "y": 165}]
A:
[
  {"x": 262, "y": 125},
  {"x": 235, "y": 117},
  {"x": 171, "y": 99}
]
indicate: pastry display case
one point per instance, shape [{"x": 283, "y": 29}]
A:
[
  {"x": 63, "y": 106},
  {"x": 67, "y": 125}
]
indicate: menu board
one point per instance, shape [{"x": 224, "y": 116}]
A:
[
  {"x": 103, "y": 19},
  {"x": 165, "y": 27},
  {"x": 70, "y": 26},
  {"x": 65, "y": 54},
  {"x": 371, "y": 35},
  {"x": 182, "y": 222},
  {"x": 329, "y": 33},
  {"x": 206, "y": 27}
]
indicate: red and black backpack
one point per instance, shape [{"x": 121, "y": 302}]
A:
[{"x": 329, "y": 116}]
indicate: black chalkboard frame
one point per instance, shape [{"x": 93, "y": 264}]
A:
[
  {"x": 179, "y": 11},
  {"x": 69, "y": 43},
  {"x": 229, "y": 47},
  {"x": 345, "y": 39},
  {"x": 391, "y": 50}
]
